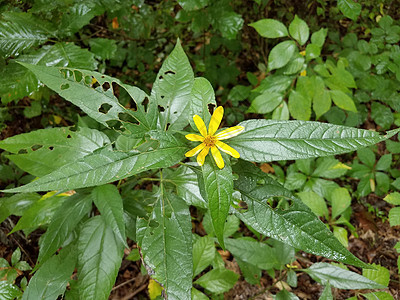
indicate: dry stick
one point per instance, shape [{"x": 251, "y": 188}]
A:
[
  {"x": 133, "y": 294},
  {"x": 122, "y": 284}
]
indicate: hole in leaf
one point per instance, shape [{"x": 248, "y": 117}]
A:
[
  {"x": 211, "y": 108},
  {"x": 105, "y": 108},
  {"x": 175, "y": 112},
  {"x": 51, "y": 148},
  {"x": 69, "y": 136},
  {"x": 22, "y": 151},
  {"x": 95, "y": 83},
  {"x": 162, "y": 96},
  {"x": 160, "y": 108},
  {"x": 36, "y": 147},
  {"x": 102, "y": 76},
  {"x": 64, "y": 86},
  {"x": 78, "y": 76},
  {"x": 145, "y": 102},
  {"x": 170, "y": 72},
  {"x": 168, "y": 124},
  {"x": 280, "y": 202},
  {"x": 105, "y": 86},
  {"x": 153, "y": 224},
  {"x": 126, "y": 117},
  {"x": 115, "y": 89},
  {"x": 243, "y": 206},
  {"x": 114, "y": 124},
  {"x": 160, "y": 78},
  {"x": 64, "y": 73}
]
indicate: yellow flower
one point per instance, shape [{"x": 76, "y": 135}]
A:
[
  {"x": 210, "y": 140},
  {"x": 303, "y": 73}
]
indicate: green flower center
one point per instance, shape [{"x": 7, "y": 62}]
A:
[{"x": 210, "y": 140}]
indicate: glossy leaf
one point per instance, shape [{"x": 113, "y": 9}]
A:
[
  {"x": 166, "y": 244},
  {"x": 270, "y": 28},
  {"x": 318, "y": 37},
  {"x": 392, "y": 198},
  {"x": 16, "y": 204},
  {"x": 190, "y": 5},
  {"x": 203, "y": 254},
  {"x": 298, "y": 29},
  {"x": 349, "y": 8},
  {"x": 9, "y": 291},
  {"x": 342, "y": 100},
  {"x": 265, "y": 103},
  {"x": 281, "y": 54},
  {"x": 103, "y": 48},
  {"x": 202, "y": 96},
  {"x": 299, "y": 106},
  {"x": 63, "y": 223},
  {"x": 340, "y": 278},
  {"x": 340, "y": 200},
  {"x": 108, "y": 166},
  {"x": 218, "y": 186},
  {"x": 99, "y": 259},
  {"x": 379, "y": 274},
  {"x": 218, "y": 281},
  {"x": 109, "y": 202},
  {"x": 268, "y": 140},
  {"x": 315, "y": 202},
  {"x": 172, "y": 90},
  {"x": 297, "y": 225}
]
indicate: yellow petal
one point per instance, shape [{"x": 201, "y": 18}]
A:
[
  {"x": 200, "y": 125},
  {"x": 217, "y": 157},
  {"x": 202, "y": 156},
  {"x": 229, "y": 132},
  {"x": 227, "y": 149},
  {"x": 196, "y": 150},
  {"x": 215, "y": 120},
  {"x": 194, "y": 137}
]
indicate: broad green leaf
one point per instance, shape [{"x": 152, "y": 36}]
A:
[
  {"x": 51, "y": 280},
  {"x": 16, "y": 204},
  {"x": 218, "y": 185},
  {"x": 20, "y": 31},
  {"x": 108, "y": 166},
  {"x": 218, "y": 281},
  {"x": 103, "y": 48},
  {"x": 274, "y": 83},
  {"x": 16, "y": 256},
  {"x": 9, "y": 291},
  {"x": 166, "y": 244},
  {"x": 327, "y": 293},
  {"x": 393, "y": 198},
  {"x": 340, "y": 201},
  {"x": 340, "y": 278},
  {"x": 99, "y": 259},
  {"x": 299, "y": 106},
  {"x": 295, "y": 180},
  {"x": 382, "y": 115},
  {"x": 203, "y": 254},
  {"x": 253, "y": 252},
  {"x": 269, "y": 140},
  {"x": 201, "y": 96},
  {"x": 190, "y": 5},
  {"x": 251, "y": 273},
  {"x": 394, "y": 216},
  {"x": 109, "y": 202},
  {"x": 366, "y": 156},
  {"x": 378, "y": 296},
  {"x": 285, "y": 295},
  {"x": 281, "y": 54},
  {"x": 329, "y": 167},
  {"x": 265, "y": 103},
  {"x": 298, "y": 29},
  {"x": 312, "y": 51},
  {"x": 384, "y": 162},
  {"x": 379, "y": 274},
  {"x": 197, "y": 295},
  {"x": 315, "y": 202},
  {"x": 270, "y": 28},
  {"x": 342, "y": 100},
  {"x": 281, "y": 112},
  {"x": 349, "y": 8},
  {"x": 291, "y": 278},
  {"x": 47, "y": 150},
  {"x": 172, "y": 90},
  {"x": 341, "y": 234},
  {"x": 226, "y": 21},
  {"x": 295, "y": 65},
  {"x": 318, "y": 37},
  {"x": 297, "y": 225}
]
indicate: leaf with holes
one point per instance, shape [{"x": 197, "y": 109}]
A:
[
  {"x": 269, "y": 140},
  {"x": 172, "y": 90},
  {"x": 43, "y": 151},
  {"x": 166, "y": 243},
  {"x": 202, "y": 97},
  {"x": 107, "y": 166},
  {"x": 297, "y": 225}
]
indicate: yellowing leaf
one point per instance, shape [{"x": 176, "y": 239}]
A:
[{"x": 154, "y": 289}]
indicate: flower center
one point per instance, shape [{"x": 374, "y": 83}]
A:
[{"x": 210, "y": 141}]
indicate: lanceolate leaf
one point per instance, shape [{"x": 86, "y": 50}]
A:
[
  {"x": 108, "y": 166},
  {"x": 52, "y": 277},
  {"x": 202, "y": 96},
  {"x": 218, "y": 186},
  {"x": 166, "y": 244},
  {"x": 99, "y": 258},
  {"x": 270, "y": 28},
  {"x": 297, "y": 226},
  {"x": 63, "y": 223},
  {"x": 269, "y": 140},
  {"x": 172, "y": 90}
]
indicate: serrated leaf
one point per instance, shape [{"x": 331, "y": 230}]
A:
[
  {"x": 9, "y": 291},
  {"x": 349, "y": 8},
  {"x": 394, "y": 216},
  {"x": 270, "y": 28},
  {"x": 298, "y": 29},
  {"x": 218, "y": 185},
  {"x": 51, "y": 280},
  {"x": 172, "y": 90},
  {"x": 203, "y": 254},
  {"x": 218, "y": 281},
  {"x": 281, "y": 54},
  {"x": 46, "y": 150},
  {"x": 392, "y": 198},
  {"x": 109, "y": 202},
  {"x": 99, "y": 259},
  {"x": 342, "y": 100},
  {"x": 340, "y": 278},
  {"x": 379, "y": 274},
  {"x": 297, "y": 226},
  {"x": 166, "y": 244},
  {"x": 202, "y": 95},
  {"x": 341, "y": 234},
  {"x": 108, "y": 166},
  {"x": 269, "y": 140},
  {"x": 63, "y": 223}
]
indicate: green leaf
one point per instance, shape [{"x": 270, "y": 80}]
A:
[
  {"x": 190, "y": 5},
  {"x": 379, "y": 274},
  {"x": 281, "y": 54},
  {"x": 269, "y": 140},
  {"x": 166, "y": 244},
  {"x": 366, "y": 156},
  {"x": 299, "y": 106},
  {"x": 378, "y": 296},
  {"x": 197, "y": 295},
  {"x": 218, "y": 185},
  {"x": 297, "y": 225},
  {"x": 329, "y": 167},
  {"x": 312, "y": 51},
  {"x": 298, "y": 29},
  {"x": 103, "y": 48},
  {"x": 281, "y": 112},
  {"x": 315, "y": 202},
  {"x": 340, "y": 278},
  {"x": 382, "y": 115},
  {"x": 393, "y": 198},
  {"x": 218, "y": 281},
  {"x": 327, "y": 293},
  {"x": 270, "y": 28},
  {"x": 227, "y": 22},
  {"x": 16, "y": 256},
  {"x": 394, "y": 216},
  {"x": 9, "y": 291},
  {"x": 109, "y": 202},
  {"x": 341, "y": 234},
  {"x": 295, "y": 65},
  {"x": 342, "y": 100},
  {"x": 51, "y": 280},
  {"x": 265, "y": 103},
  {"x": 253, "y": 252},
  {"x": 318, "y": 37},
  {"x": 349, "y": 8},
  {"x": 285, "y": 295},
  {"x": 16, "y": 204},
  {"x": 251, "y": 273},
  {"x": 47, "y": 150},
  {"x": 172, "y": 90},
  {"x": 203, "y": 254},
  {"x": 108, "y": 166},
  {"x": 201, "y": 96},
  {"x": 341, "y": 200},
  {"x": 99, "y": 259},
  {"x": 384, "y": 162}
]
